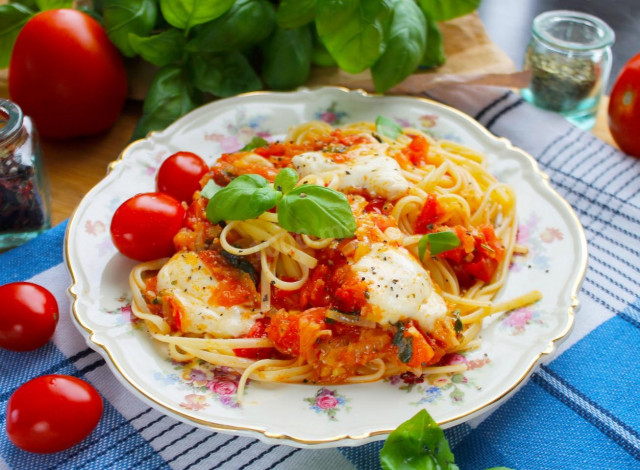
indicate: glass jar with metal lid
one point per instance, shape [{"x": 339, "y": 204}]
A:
[
  {"x": 569, "y": 57},
  {"x": 24, "y": 189}
]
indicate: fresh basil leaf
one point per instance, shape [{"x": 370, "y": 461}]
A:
[
  {"x": 417, "y": 444},
  {"x": 286, "y": 180},
  {"x": 438, "y": 242},
  {"x": 53, "y": 4},
  {"x": 160, "y": 49},
  {"x": 12, "y": 18},
  {"x": 246, "y": 197},
  {"x": 30, "y": 4},
  {"x": 91, "y": 12},
  {"x": 287, "y": 58},
  {"x": 353, "y": 30},
  {"x": 406, "y": 44},
  {"x": 320, "y": 55},
  {"x": 123, "y": 17},
  {"x": 185, "y": 14},
  {"x": 316, "y": 210},
  {"x": 457, "y": 324},
  {"x": 224, "y": 74},
  {"x": 209, "y": 189},
  {"x": 403, "y": 343},
  {"x": 443, "y": 10},
  {"x": 170, "y": 96},
  {"x": 241, "y": 263},
  {"x": 292, "y": 14},
  {"x": 387, "y": 127},
  {"x": 434, "y": 52},
  {"x": 254, "y": 143},
  {"x": 247, "y": 22}
]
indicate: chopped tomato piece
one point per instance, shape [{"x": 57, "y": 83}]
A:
[
  {"x": 429, "y": 215},
  {"x": 284, "y": 332},
  {"x": 417, "y": 151},
  {"x": 478, "y": 255},
  {"x": 422, "y": 353},
  {"x": 258, "y": 330},
  {"x": 294, "y": 333}
]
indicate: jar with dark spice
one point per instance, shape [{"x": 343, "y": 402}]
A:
[
  {"x": 24, "y": 189},
  {"x": 569, "y": 57}
]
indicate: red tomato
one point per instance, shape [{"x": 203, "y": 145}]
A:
[
  {"x": 143, "y": 227},
  {"x": 66, "y": 74},
  {"x": 52, "y": 413},
  {"x": 258, "y": 330},
  {"x": 624, "y": 108},
  {"x": 180, "y": 174},
  {"x": 28, "y": 316}
]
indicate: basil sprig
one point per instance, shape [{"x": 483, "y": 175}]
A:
[
  {"x": 387, "y": 127},
  {"x": 246, "y": 197},
  {"x": 209, "y": 189},
  {"x": 438, "y": 242},
  {"x": 418, "y": 443},
  {"x": 308, "y": 209}
]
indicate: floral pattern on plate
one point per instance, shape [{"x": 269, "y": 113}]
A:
[
  {"x": 436, "y": 387},
  {"x": 217, "y": 382},
  {"x": 122, "y": 310},
  {"x": 329, "y": 402},
  {"x": 239, "y": 131},
  {"x": 331, "y": 115}
]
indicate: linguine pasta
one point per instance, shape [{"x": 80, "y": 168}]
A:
[{"x": 287, "y": 307}]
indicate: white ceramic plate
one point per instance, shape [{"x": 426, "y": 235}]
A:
[{"x": 310, "y": 415}]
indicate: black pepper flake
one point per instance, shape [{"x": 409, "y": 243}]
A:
[
  {"x": 265, "y": 298},
  {"x": 273, "y": 283}
]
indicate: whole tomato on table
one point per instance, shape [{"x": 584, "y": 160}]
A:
[
  {"x": 52, "y": 413},
  {"x": 28, "y": 316},
  {"x": 624, "y": 108},
  {"x": 66, "y": 74}
]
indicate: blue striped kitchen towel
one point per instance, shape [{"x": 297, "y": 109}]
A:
[{"x": 580, "y": 411}]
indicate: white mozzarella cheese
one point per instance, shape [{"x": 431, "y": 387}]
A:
[
  {"x": 400, "y": 287},
  {"x": 191, "y": 285},
  {"x": 367, "y": 167}
]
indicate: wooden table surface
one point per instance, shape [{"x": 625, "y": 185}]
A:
[{"x": 75, "y": 166}]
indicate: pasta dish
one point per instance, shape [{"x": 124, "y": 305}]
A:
[{"x": 339, "y": 255}]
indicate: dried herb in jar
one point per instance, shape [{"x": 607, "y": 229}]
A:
[
  {"x": 560, "y": 82},
  {"x": 24, "y": 196}
]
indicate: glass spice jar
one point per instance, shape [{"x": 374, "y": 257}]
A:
[
  {"x": 24, "y": 189},
  {"x": 569, "y": 56}
]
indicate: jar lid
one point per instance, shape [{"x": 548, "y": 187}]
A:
[
  {"x": 573, "y": 31},
  {"x": 10, "y": 119}
]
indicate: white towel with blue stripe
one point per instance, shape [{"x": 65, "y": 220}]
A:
[{"x": 579, "y": 411}]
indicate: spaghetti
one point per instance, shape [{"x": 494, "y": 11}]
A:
[{"x": 281, "y": 306}]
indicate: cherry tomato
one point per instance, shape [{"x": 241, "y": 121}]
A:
[
  {"x": 52, "y": 413},
  {"x": 143, "y": 227},
  {"x": 28, "y": 316},
  {"x": 66, "y": 74},
  {"x": 180, "y": 174},
  {"x": 624, "y": 108}
]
